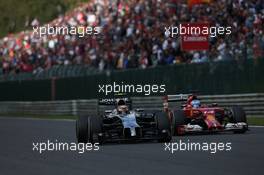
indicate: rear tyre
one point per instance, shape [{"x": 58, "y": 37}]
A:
[
  {"x": 178, "y": 120},
  {"x": 163, "y": 126},
  {"x": 239, "y": 115}
]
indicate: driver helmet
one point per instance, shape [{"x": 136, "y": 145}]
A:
[
  {"x": 195, "y": 103},
  {"x": 122, "y": 108}
]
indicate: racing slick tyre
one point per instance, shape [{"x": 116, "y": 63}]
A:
[
  {"x": 82, "y": 129},
  {"x": 87, "y": 128},
  {"x": 178, "y": 120},
  {"x": 96, "y": 127},
  {"x": 239, "y": 115},
  {"x": 163, "y": 126}
]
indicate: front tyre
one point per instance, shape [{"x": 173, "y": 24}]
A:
[
  {"x": 82, "y": 129},
  {"x": 163, "y": 126},
  {"x": 178, "y": 120},
  {"x": 239, "y": 115}
]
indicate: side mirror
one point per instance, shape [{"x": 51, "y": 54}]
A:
[
  {"x": 214, "y": 104},
  {"x": 108, "y": 111},
  {"x": 139, "y": 110},
  {"x": 183, "y": 106}
]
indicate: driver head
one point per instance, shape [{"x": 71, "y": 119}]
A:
[
  {"x": 196, "y": 103},
  {"x": 122, "y": 107}
]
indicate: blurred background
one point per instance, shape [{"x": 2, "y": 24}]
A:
[
  {"x": 131, "y": 47},
  {"x": 58, "y": 77}
]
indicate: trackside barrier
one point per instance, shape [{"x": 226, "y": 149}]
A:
[{"x": 253, "y": 104}]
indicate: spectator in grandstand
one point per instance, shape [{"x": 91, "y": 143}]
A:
[{"x": 133, "y": 36}]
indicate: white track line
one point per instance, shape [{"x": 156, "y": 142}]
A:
[{"x": 255, "y": 126}]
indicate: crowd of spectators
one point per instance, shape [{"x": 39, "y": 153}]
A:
[{"x": 132, "y": 36}]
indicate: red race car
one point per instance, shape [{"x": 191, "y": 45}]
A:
[{"x": 188, "y": 115}]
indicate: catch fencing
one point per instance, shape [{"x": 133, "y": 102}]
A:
[{"x": 253, "y": 104}]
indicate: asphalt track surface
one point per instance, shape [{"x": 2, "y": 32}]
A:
[{"x": 17, "y": 157}]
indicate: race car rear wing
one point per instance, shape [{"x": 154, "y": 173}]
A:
[
  {"x": 172, "y": 101},
  {"x": 176, "y": 98},
  {"x": 113, "y": 101},
  {"x": 106, "y": 105}
]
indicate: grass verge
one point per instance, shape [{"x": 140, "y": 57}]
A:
[{"x": 256, "y": 121}]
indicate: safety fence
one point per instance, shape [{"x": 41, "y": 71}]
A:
[
  {"x": 60, "y": 71},
  {"x": 82, "y": 82},
  {"x": 253, "y": 104}
]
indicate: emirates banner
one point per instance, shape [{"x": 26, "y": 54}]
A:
[{"x": 194, "y": 36}]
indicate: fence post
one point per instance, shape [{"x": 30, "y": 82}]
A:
[
  {"x": 74, "y": 108},
  {"x": 53, "y": 88}
]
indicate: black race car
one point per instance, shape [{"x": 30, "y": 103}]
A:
[{"x": 121, "y": 123}]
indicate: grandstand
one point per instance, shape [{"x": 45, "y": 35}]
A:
[{"x": 133, "y": 37}]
